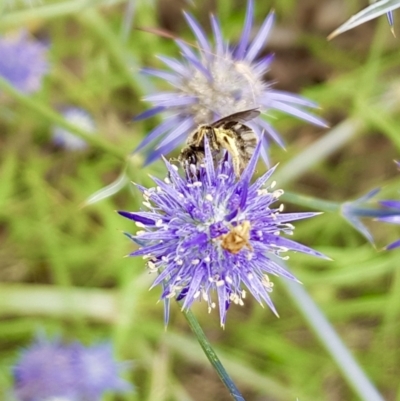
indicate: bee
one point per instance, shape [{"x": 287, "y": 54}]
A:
[
  {"x": 237, "y": 238},
  {"x": 228, "y": 133}
]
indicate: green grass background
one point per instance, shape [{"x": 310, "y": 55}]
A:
[{"x": 62, "y": 266}]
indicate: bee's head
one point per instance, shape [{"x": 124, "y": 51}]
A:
[
  {"x": 188, "y": 156},
  {"x": 204, "y": 130}
]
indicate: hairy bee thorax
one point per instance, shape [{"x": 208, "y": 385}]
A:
[{"x": 228, "y": 133}]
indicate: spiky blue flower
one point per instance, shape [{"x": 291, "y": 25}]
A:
[
  {"x": 23, "y": 62},
  {"x": 393, "y": 208},
  {"x": 215, "y": 81},
  {"x": 390, "y": 18},
  {"x": 50, "y": 370},
  {"x": 68, "y": 140},
  {"x": 374, "y": 10},
  {"x": 209, "y": 236},
  {"x": 355, "y": 211},
  {"x": 387, "y": 211}
]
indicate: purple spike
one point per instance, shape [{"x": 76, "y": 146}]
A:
[
  {"x": 245, "y": 37},
  {"x": 261, "y": 38}
]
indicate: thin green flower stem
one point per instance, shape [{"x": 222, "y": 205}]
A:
[
  {"x": 34, "y": 104},
  {"x": 20, "y": 18},
  {"x": 311, "y": 202},
  {"x": 24, "y": 300},
  {"x": 127, "y": 21},
  {"x": 335, "y": 139},
  {"x": 118, "y": 53},
  {"x": 212, "y": 356},
  {"x": 352, "y": 372},
  {"x": 319, "y": 151}
]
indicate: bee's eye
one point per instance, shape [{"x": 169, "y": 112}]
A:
[
  {"x": 192, "y": 159},
  {"x": 210, "y": 131}
]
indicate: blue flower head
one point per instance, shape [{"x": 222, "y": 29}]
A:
[
  {"x": 210, "y": 236},
  {"x": 50, "y": 370},
  {"x": 393, "y": 217},
  {"x": 387, "y": 211},
  {"x": 23, "y": 62},
  {"x": 68, "y": 140},
  {"x": 215, "y": 81}
]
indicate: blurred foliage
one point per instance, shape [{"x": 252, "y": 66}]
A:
[{"x": 61, "y": 265}]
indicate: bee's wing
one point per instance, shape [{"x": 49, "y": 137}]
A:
[{"x": 241, "y": 116}]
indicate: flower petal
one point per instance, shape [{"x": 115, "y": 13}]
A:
[{"x": 260, "y": 39}]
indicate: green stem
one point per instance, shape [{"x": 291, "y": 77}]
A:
[
  {"x": 311, "y": 202},
  {"x": 335, "y": 139},
  {"x": 34, "y": 104},
  {"x": 20, "y": 18},
  {"x": 44, "y": 300},
  {"x": 212, "y": 356},
  {"x": 351, "y": 370},
  {"x": 129, "y": 69}
]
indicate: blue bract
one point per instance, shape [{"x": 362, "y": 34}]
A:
[
  {"x": 393, "y": 207},
  {"x": 210, "y": 236},
  {"x": 214, "y": 81},
  {"x": 23, "y": 62},
  {"x": 355, "y": 211},
  {"x": 50, "y": 370}
]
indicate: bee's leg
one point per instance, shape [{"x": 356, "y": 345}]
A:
[
  {"x": 213, "y": 139},
  {"x": 236, "y": 165}
]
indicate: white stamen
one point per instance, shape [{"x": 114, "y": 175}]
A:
[
  {"x": 220, "y": 283},
  {"x": 195, "y": 261},
  {"x": 167, "y": 180},
  {"x": 209, "y": 197},
  {"x": 147, "y": 204},
  {"x": 139, "y": 224},
  {"x": 278, "y": 193}
]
